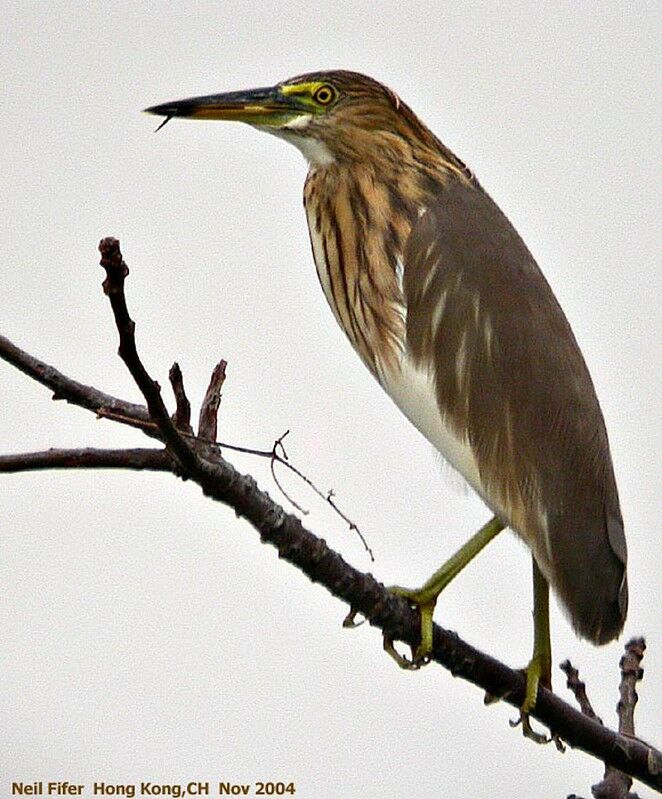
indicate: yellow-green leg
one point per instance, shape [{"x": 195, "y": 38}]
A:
[
  {"x": 425, "y": 597},
  {"x": 539, "y": 670}
]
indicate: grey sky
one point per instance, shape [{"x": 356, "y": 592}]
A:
[{"x": 146, "y": 632}]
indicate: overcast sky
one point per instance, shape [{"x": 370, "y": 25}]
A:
[{"x": 147, "y": 634}]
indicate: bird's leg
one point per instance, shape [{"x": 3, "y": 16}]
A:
[
  {"x": 425, "y": 597},
  {"x": 539, "y": 670}
]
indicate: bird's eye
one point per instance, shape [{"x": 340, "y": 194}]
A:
[{"x": 324, "y": 95}]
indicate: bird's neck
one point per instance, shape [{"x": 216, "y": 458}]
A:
[{"x": 359, "y": 223}]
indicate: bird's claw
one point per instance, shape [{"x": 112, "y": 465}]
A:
[
  {"x": 404, "y": 662},
  {"x": 527, "y": 729},
  {"x": 536, "y": 737},
  {"x": 349, "y": 622},
  {"x": 537, "y": 673}
]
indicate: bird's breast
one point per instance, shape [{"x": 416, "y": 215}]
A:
[
  {"x": 358, "y": 281},
  {"x": 375, "y": 325}
]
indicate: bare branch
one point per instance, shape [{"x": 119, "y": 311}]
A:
[
  {"x": 615, "y": 784},
  {"x": 631, "y": 673},
  {"x": 155, "y": 460},
  {"x": 64, "y": 388},
  {"x": 130, "y": 414}
]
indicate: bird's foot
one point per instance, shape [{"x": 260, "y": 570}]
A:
[
  {"x": 420, "y": 655},
  {"x": 538, "y": 672},
  {"x": 537, "y": 737},
  {"x": 527, "y": 730}
]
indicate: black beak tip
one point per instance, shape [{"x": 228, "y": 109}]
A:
[{"x": 166, "y": 110}]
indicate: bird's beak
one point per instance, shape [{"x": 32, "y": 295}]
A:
[{"x": 268, "y": 107}]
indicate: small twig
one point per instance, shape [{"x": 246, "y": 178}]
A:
[
  {"x": 147, "y": 426},
  {"x": 279, "y": 485},
  {"x": 352, "y": 525},
  {"x": 278, "y": 445},
  {"x": 615, "y": 784},
  {"x": 578, "y": 688},
  {"x": 281, "y": 457},
  {"x": 182, "y": 416},
  {"x": 326, "y": 497},
  {"x": 208, "y": 421},
  {"x": 631, "y": 674}
]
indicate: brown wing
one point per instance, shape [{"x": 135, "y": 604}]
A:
[{"x": 510, "y": 378}]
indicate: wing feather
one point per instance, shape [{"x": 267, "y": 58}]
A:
[{"x": 511, "y": 381}]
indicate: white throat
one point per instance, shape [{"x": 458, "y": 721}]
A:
[{"x": 314, "y": 151}]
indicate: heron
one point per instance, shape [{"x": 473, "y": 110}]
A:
[{"x": 447, "y": 308}]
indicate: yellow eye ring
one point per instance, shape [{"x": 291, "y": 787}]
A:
[{"x": 324, "y": 95}]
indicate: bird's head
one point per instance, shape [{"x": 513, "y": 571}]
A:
[{"x": 330, "y": 116}]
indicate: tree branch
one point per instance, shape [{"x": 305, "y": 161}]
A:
[
  {"x": 64, "y": 388},
  {"x": 113, "y": 286},
  {"x": 154, "y": 460},
  {"x": 202, "y": 462}
]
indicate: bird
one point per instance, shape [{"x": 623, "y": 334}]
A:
[{"x": 446, "y": 306}]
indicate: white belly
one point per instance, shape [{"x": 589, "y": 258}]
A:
[{"x": 412, "y": 390}]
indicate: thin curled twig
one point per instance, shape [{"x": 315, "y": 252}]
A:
[
  {"x": 330, "y": 494},
  {"x": 281, "y": 457}
]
